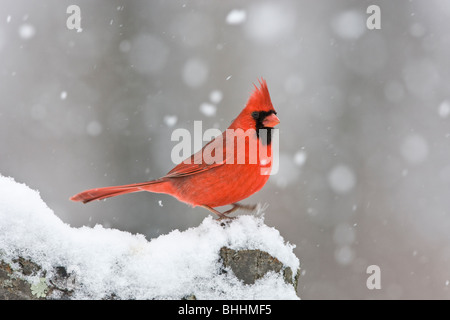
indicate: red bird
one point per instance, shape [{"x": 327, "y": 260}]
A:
[{"x": 210, "y": 184}]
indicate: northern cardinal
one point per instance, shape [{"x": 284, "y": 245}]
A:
[{"x": 209, "y": 185}]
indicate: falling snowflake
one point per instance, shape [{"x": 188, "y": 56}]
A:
[
  {"x": 236, "y": 16},
  {"x": 208, "y": 109},
  {"x": 170, "y": 121}
]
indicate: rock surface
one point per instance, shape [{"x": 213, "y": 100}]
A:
[
  {"x": 251, "y": 265},
  {"x": 247, "y": 265}
]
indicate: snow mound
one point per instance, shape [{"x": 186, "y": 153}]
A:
[{"x": 112, "y": 262}]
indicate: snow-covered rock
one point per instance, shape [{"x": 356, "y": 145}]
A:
[{"x": 99, "y": 263}]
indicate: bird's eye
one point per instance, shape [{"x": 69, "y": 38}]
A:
[{"x": 255, "y": 115}]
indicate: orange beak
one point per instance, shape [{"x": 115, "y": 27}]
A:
[{"x": 271, "y": 121}]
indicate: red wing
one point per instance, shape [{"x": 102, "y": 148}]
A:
[{"x": 194, "y": 166}]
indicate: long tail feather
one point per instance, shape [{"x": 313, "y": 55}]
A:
[{"x": 158, "y": 186}]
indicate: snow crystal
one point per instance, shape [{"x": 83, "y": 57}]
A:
[
  {"x": 414, "y": 149},
  {"x": 125, "y": 46},
  {"x": 27, "y": 31},
  {"x": 444, "y": 109},
  {"x": 195, "y": 72},
  {"x": 404, "y": 172},
  {"x": 300, "y": 158},
  {"x": 8, "y": 19},
  {"x": 94, "y": 128},
  {"x": 236, "y": 16},
  {"x": 341, "y": 179},
  {"x": 268, "y": 21},
  {"x": 288, "y": 171},
  {"x": 170, "y": 121},
  {"x": 344, "y": 255},
  {"x": 215, "y": 96},
  {"x": 63, "y": 95},
  {"x": 349, "y": 25},
  {"x": 109, "y": 261},
  {"x": 208, "y": 109}
]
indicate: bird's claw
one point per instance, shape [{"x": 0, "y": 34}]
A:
[{"x": 236, "y": 206}]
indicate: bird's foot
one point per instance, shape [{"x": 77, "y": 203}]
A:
[
  {"x": 220, "y": 215},
  {"x": 235, "y": 206}
]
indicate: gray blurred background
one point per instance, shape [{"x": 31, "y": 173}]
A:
[{"x": 364, "y": 136}]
